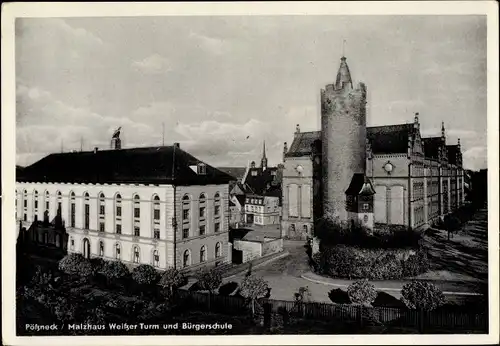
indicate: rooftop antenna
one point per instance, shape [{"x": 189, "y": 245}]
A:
[
  {"x": 81, "y": 143},
  {"x": 163, "y": 134}
]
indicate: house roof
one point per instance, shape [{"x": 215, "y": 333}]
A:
[
  {"x": 390, "y": 139},
  {"x": 149, "y": 165},
  {"x": 302, "y": 143},
  {"x": 236, "y": 172},
  {"x": 431, "y": 146},
  {"x": 360, "y": 185},
  {"x": 263, "y": 181}
]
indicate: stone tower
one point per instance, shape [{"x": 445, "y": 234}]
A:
[{"x": 343, "y": 124}]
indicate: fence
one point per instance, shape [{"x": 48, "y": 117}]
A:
[{"x": 399, "y": 317}]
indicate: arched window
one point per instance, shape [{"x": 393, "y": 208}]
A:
[
  {"x": 35, "y": 204},
  {"x": 217, "y": 212},
  {"x": 218, "y": 252},
  {"x": 47, "y": 201},
  {"x": 86, "y": 215},
  {"x": 117, "y": 251},
  {"x": 156, "y": 259},
  {"x": 186, "y": 207},
  {"x": 156, "y": 217},
  {"x": 136, "y": 254},
  {"x": 102, "y": 211},
  {"x": 118, "y": 213},
  {"x": 59, "y": 203},
  {"x": 186, "y": 259},
  {"x": 86, "y": 248},
  {"x": 72, "y": 217},
  {"x": 25, "y": 205},
  {"x": 101, "y": 248},
  {"x": 203, "y": 254},
  {"x": 203, "y": 207},
  {"x": 137, "y": 216}
]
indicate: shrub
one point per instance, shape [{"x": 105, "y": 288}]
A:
[
  {"x": 416, "y": 264},
  {"x": 97, "y": 263},
  {"x": 145, "y": 274},
  {"x": 362, "y": 292},
  {"x": 70, "y": 263},
  {"x": 422, "y": 295},
  {"x": 338, "y": 296},
  {"x": 172, "y": 279},
  {"x": 115, "y": 270},
  {"x": 209, "y": 280}
]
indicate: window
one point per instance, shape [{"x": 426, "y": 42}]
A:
[
  {"x": 202, "y": 168},
  {"x": 185, "y": 233},
  {"x": 101, "y": 248},
  {"x": 137, "y": 231},
  {"x": 137, "y": 207},
  {"x": 185, "y": 214},
  {"x": 47, "y": 201},
  {"x": 217, "y": 227},
  {"x": 117, "y": 251},
  {"x": 101, "y": 226},
  {"x": 156, "y": 209},
  {"x": 217, "y": 205},
  {"x": 186, "y": 259},
  {"x": 118, "y": 213},
  {"x": 202, "y": 229},
  {"x": 217, "y": 250},
  {"x": 136, "y": 254},
  {"x": 25, "y": 205},
  {"x": 72, "y": 209},
  {"x": 72, "y": 243},
  {"x": 36, "y": 200},
  {"x": 59, "y": 202},
  {"x": 87, "y": 212},
  {"x": 102, "y": 205},
  {"x": 366, "y": 206},
  {"x": 156, "y": 259},
  {"x": 203, "y": 254},
  {"x": 118, "y": 229},
  {"x": 156, "y": 234},
  {"x": 217, "y": 210}
]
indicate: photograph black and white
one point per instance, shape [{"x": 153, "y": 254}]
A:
[{"x": 251, "y": 175}]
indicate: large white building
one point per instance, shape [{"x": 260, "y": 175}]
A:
[{"x": 157, "y": 205}]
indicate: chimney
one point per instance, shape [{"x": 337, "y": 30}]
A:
[
  {"x": 416, "y": 123},
  {"x": 252, "y": 165},
  {"x": 297, "y": 129},
  {"x": 96, "y": 149},
  {"x": 177, "y": 145}
]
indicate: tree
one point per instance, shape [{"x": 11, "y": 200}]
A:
[
  {"x": 209, "y": 280},
  {"x": 422, "y": 295},
  {"x": 452, "y": 224},
  {"x": 145, "y": 274},
  {"x": 253, "y": 287},
  {"x": 114, "y": 270},
  {"x": 70, "y": 263},
  {"x": 172, "y": 279},
  {"x": 362, "y": 292}
]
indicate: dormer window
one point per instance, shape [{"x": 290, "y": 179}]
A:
[
  {"x": 202, "y": 169},
  {"x": 254, "y": 173}
]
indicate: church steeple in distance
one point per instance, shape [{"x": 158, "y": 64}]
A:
[{"x": 263, "y": 161}]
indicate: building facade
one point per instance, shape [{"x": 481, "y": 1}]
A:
[
  {"x": 262, "y": 210},
  {"x": 416, "y": 180},
  {"x": 158, "y": 206}
]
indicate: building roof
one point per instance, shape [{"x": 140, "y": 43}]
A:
[
  {"x": 431, "y": 146},
  {"x": 390, "y": 139},
  {"x": 360, "y": 185},
  {"x": 343, "y": 75},
  {"x": 263, "y": 181},
  {"x": 236, "y": 172},
  {"x": 149, "y": 165},
  {"x": 302, "y": 143}
]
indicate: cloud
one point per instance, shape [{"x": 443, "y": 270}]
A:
[
  {"x": 153, "y": 64},
  {"x": 475, "y": 158},
  {"x": 215, "y": 46}
]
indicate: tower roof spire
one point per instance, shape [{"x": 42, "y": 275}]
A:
[
  {"x": 264, "y": 150},
  {"x": 343, "y": 75}
]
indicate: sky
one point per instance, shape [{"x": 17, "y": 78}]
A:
[{"x": 222, "y": 85}]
